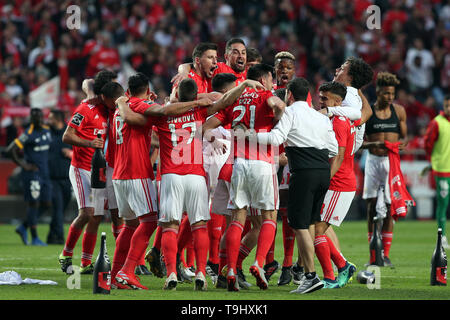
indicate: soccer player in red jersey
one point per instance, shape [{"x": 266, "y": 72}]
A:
[
  {"x": 183, "y": 183},
  {"x": 236, "y": 60},
  {"x": 133, "y": 175},
  {"x": 202, "y": 69},
  {"x": 110, "y": 197},
  {"x": 341, "y": 191},
  {"x": 87, "y": 121},
  {"x": 253, "y": 182}
]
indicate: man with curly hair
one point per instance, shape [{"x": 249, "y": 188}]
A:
[{"x": 387, "y": 123}]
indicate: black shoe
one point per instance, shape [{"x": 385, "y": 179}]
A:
[
  {"x": 212, "y": 269},
  {"x": 297, "y": 273},
  {"x": 387, "y": 262},
  {"x": 181, "y": 274},
  {"x": 153, "y": 257},
  {"x": 221, "y": 282},
  {"x": 270, "y": 269},
  {"x": 241, "y": 279},
  {"x": 142, "y": 270},
  {"x": 285, "y": 276}
]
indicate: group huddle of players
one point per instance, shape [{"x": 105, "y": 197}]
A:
[{"x": 217, "y": 191}]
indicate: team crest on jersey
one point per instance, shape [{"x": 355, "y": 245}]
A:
[{"x": 77, "y": 119}]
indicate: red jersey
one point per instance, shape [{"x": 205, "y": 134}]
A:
[
  {"x": 252, "y": 110},
  {"x": 345, "y": 179},
  {"x": 224, "y": 68},
  {"x": 88, "y": 120},
  {"x": 180, "y": 142},
  {"x": 132, "y": 150},
  {"x": 203, "y": 84},
  {"x": 110, "y": 149}
]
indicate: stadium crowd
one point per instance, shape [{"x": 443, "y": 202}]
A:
[{"x": 155, "y": 36}]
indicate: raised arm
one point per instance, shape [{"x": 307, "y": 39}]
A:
[
  {"x": 176, "y": 108},
  {"x": 232, "y": 95},
  {"x": 128, "y": 115}
]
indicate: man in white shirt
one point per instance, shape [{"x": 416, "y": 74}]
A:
[{"x": 309, "y": 142}]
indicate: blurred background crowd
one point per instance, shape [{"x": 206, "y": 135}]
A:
[{"x": 155, "y": 36}]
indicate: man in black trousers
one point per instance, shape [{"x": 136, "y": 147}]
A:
[
  {"x": 309, "y": 143},
  {"x": 59, "y": 162}
]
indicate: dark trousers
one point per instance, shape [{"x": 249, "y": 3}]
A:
[{"x": 61, "y": 196}]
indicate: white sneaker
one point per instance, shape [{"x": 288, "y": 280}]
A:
[
  {"x": 308, "y": 285},
  {"x": 171, "y": 282},
  {"x": 200, "y": 282},
  {"x": 258, "y": 273},
  {"x": 189, "y": 272},
  {"x": 445, "y": 244}
]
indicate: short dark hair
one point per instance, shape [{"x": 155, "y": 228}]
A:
[
  {"x": 187, "y": 90},
  {"x": 335, "y": 88},
  {"x": 102, "y": 78},
  {"x": 221, "y": 80},
  {"x": 231, "y": 42},
  {"x": 112, "y": 90},
  {"x": 58, "y": 114},
  {"x": 258, "y": 70},
  {"x": 360, "y": 72},
  {"x": 281, "y": 93},
  {"x": 201, "y": 48},
  {"x": 299, "y": 87},
  {"x": 253, "y": 55},
  {"x": 138, "y": 83}
]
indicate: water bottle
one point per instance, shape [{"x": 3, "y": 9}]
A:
[
  {"x": 98, "y": 169},
  {"x": 376, "y": 246},
  {"x": 439, "y": 263},
  {"x": 102, "y": 270}
]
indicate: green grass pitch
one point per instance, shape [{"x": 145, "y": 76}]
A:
[{"x": 412, "y": 247}]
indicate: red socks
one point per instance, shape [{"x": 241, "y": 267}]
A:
[
  {"x": 386, "y": 238},
  {"x": 157, "y": 239},
  {"x": 116, "y": 229},
  {"x": 326, "y": 252},
  {"x": 271, "y": 253},
  {"x": 244, "y": 251},
  {"x": 184, "y": 234},
  {"x": 121, "y": 251},
  {"x": 169, "y": 249},
  {"x": 139, "y": 241},
  {"x": 215, "y": 233},
  {"x": 201, "y": 246},
  {"x": 88, "y": 246},
  {"x": 336, "y": 255},
  {"x": 233, "y": 242},
  {"x": 190, "y": 255},
  {"x": 265, "y": 240},
  {"x": 288, "y": 242},
  {"x": 323, "y": 255},
  {"x": 72, "y": 239},
  {"x": 247, "y": 227}
]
